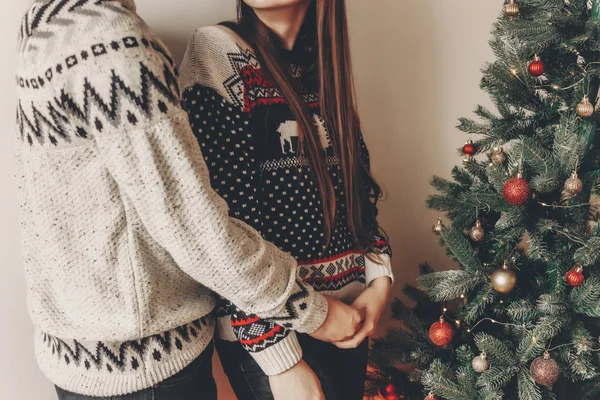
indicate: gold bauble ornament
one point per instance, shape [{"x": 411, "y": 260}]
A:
[
  {"x": 477, "y": 233},
  {"x": 573, "y": 185},
  {"x": 498, "y": 156},
  {"x": 512, "y": 9},
  {"x": 585, "y": 109},
  {"x": 504, "y": 279},
  {"x": 438, "y": 227}
]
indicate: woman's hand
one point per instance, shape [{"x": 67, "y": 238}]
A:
[
  {"x": 342, "y": 323},
  {"x": 298, "y": 383},
  {"x": 371, "y": 302}
]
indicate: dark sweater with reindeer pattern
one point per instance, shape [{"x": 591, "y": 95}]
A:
[{"x": 249, "y": 138}]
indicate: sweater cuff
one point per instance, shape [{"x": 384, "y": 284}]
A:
[
  {"x": 280, "y": 357},
  {"x": 374, "y": 270},
  {"x": 315, "y": 314}
]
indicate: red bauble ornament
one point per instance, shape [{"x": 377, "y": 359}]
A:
[
  {"x": 469, "y": 149},
  {"x": 430, "y": 396},
  {"x": 388, "y": 392},
  {"x": 441, "y": 333},
  {"x": 575, "y": 277},
  {"x": 516, "y": 191},
  {"x": 536, "y": 67}
]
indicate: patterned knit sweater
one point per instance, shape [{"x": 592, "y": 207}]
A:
[
  {"x": 249, "y": 138},
  {"x": 124, "y": 240}
]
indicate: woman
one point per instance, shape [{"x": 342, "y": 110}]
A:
[{"x": 271, "y": 102}]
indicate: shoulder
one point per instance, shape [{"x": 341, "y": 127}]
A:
[
  {"x": 60, "y": 40},
  {"x": 101, "y": 62},
  {"x": 217, "y": 41},
  {"x": 216, "y": 58}
]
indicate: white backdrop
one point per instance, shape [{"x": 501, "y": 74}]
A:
[{"x": 417, "y": 67}]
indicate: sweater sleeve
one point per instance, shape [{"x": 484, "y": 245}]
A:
[
  {"x": 225, "y": 135},
  {"x": 378, "y": 262},
  {"x": 130, "y": 105}
]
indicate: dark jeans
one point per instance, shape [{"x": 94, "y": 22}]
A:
[
  {"x": 342, "y": 372},
  {"x": 195, "y": 382}
]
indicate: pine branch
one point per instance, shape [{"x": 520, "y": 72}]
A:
[
  {"x": 552, "y": 304},
  {"x": 586, "y": 298},
  {"x": 477, "y": 306},
  {"x": 437, "y": 380},
  {"x": 497, "y": 351},
  {"x": 590, "y": 253},
  {"x": 496, "y": 377},
  {"x": 522, "y": 311},
  {"x": 538, "y": 248},
  {"x": 449, "y": 285},
  {"x": 569, "y": 147},
  {"x": 461, "y": 249},
  {"x": 528, "y": 389},
  {"x": 511, "y": 218}
]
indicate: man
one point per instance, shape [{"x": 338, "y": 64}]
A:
[{"x": 124, "y": 240}]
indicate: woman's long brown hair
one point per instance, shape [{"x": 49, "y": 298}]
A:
[{"x": 338, "y": 110}]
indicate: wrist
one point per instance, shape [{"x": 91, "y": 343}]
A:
[
  {"x": 382, "y": 283},
  {"x": 279, "y": 357}
]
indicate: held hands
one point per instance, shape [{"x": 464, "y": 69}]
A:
[
  {"x": 371, "y": 304},
  {"x": 342, "y": 322},
  {"x": 299, "y": 382},
  {"x": 346, "y": 327}
]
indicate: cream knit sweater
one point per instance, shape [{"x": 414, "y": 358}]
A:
[{"x": 124, "y": 240}]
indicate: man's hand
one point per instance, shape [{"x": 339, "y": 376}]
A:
[
  {"x": 342, "y": 322},
  {"x": 372, "y": 302},
  {"x": 298, "y": 383}
]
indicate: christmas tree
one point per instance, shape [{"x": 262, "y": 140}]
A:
[{"x": 520, "y": 318}]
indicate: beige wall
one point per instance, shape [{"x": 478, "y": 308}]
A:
[{"x": 417, "y": 66}]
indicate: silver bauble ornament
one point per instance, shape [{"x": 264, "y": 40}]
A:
[{"x": 480, "y": 363}]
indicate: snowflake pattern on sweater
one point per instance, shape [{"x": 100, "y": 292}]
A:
[{"x": 249, "y": 139}]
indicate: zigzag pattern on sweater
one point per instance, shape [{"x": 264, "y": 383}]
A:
[
  {"x": 111, "y": 107},
  {"x": 53, "y": 125},
  {"x": 129, "y": 354},
  {"x": 46, "y": 17}
]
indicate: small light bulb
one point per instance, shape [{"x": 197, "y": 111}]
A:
[
  {"x": 494, "y": 321},
  {"x": 462, "y": 296},
  {"x": 514, "y": 71},
  {"x": 445, "y": 309},
  {"x": 555, "y": 87}
]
